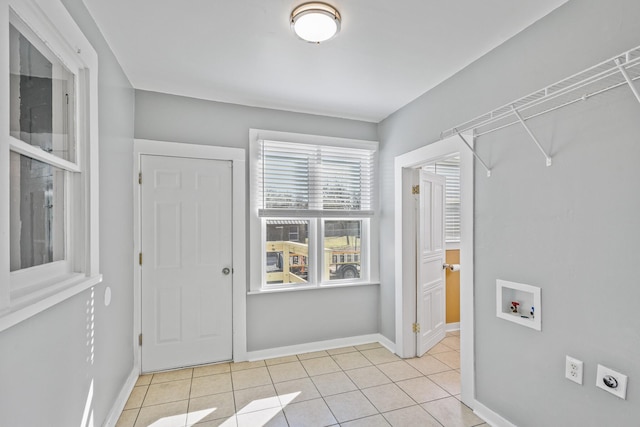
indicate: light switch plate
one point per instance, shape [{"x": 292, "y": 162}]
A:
[{"x": 617, "y": 382}]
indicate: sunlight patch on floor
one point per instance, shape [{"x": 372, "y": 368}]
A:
[{"x": 255, "y": 409}]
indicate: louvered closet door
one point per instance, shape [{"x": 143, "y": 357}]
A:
[{"x": 186, "y": 247}]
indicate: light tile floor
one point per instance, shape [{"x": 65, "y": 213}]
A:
[{"x": 364, "y": 385}]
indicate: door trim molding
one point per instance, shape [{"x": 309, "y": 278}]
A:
[
  {"x": 238, "y": 158},
  {"x": 405, "y": 297}
]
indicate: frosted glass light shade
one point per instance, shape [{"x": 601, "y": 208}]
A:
[{"x": 315, "y": 22}]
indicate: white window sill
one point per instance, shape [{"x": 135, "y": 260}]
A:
[
  {"x": 309, "y": 288},
  {"x": 25, "y": 306}
]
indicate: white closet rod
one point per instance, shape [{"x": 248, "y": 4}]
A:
[
  {"x": 612, "y": 69},
  {"x": 548, "y": 98},
  {"x": 557, "y": 107},
  {"x": 541, "y": 113}
]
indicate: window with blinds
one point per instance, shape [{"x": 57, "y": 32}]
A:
[
  {"x": 450, "y": 169},
  {"x": 296, "y": 179},
  {"x": 313, "y": 220}
]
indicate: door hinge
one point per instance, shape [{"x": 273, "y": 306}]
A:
[
  {"x": 140, "y": 340},
  {"x": 140, "y": 258},
  {"x": 415, "y": 189},
  {"x": 140, "y": 178},
  {"x": 416, "y": 328}
]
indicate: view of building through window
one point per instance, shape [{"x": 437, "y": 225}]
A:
[
  {"x": 315, "y": 204},
  {"x": 287, "y": 259},
  {"x": 342, "y": 241},
  {"x": 287, "y": 250}
]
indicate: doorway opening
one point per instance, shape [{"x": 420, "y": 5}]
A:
[
  {"x": 406, "y": 258},
  {"x": 449, "y": 168}
]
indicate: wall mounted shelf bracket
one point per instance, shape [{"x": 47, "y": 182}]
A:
[
  {"x": 624, "y": 73},
  {"x": 620, "y": 70},
  {"x": 533, "y": 137},
  {"x": 474, "y": 153}
]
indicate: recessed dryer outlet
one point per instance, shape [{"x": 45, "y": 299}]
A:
[{"x": 612, "y": 381}]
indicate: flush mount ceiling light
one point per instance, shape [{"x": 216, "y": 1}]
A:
[{"x": 315, "y": 22}]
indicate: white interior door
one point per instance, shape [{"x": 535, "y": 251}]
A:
[
  {"x": 430, "y": 253},
  {"x": 186, "y": 284}
]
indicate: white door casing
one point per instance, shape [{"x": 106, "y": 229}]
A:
[
  {"x": 405, "y": 265},
  {"x": 186, "y": 242},
  {"x": 431, "y": 253}
]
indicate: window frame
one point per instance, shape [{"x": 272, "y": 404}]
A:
[
  {"x": 369, "y": 251},
  {"x": 26, "y": 292}
]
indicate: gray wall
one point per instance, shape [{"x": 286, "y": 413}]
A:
[
  {"x": 47, "y": 363},
  {"x": 571, "y": 229},
  {"x": 281, "y": 319}
]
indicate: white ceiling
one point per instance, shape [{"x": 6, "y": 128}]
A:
[{"x": 388, "y": 52}]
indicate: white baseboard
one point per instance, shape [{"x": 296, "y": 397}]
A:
[
  {"x": 449, "y": 327},
  {"x": 490, "y": 416},
  {"x": 319, "y": 346},
  {"x": 123, "y": 396},
  {"x": 387, "y": 343}
]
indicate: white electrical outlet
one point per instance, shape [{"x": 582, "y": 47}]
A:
[
  {"x": 612, "y": 381},
  {"x": 573, "y": 369}
]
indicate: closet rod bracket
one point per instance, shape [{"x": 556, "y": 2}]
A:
[
  {"x": 533, "y": 137},
  {"x": 624, "y": 73},
  {"x": 474, "y": 153}
]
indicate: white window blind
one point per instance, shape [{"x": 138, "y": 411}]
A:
[
  {"x": 296, "y": 179},
  {"x": 450, "y": 169}
]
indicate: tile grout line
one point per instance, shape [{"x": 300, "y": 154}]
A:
[
  {"x": 142, "y": 403},
  {"x": 415, "y": 401},
  {"x": 273, "y": 384},
  {"x": 337, "y": 394},
  {"x": 312, "y": 383},
  {"x": 319, "y": 393},
  {"x": 360, "y": 389},
  {"x": 332, "y": 358},
  {"x": 186, "y": 419}
]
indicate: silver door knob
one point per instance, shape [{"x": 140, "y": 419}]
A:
[{"x": 226, "y": 271}]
